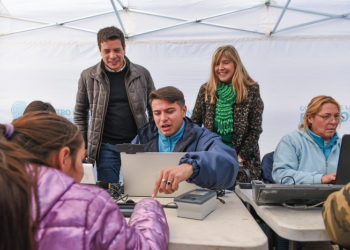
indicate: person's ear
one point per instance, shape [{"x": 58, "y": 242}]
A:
[
  {"x": 184, "y": 111},
  {"x": 63, "y": 159},
  {"x": 124, "y": 50},
  {"x": 309, "y": 118}
]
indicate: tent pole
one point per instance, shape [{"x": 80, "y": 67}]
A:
[
  {"x": 308, "y": 11},
  {"x": 231, "y": 12},
  {"x": 121, "y": 4},
  {"x": 69, "y": 21},
  {"x": 52, "y": 24},
  {"x": 164, "y": 28},
  {"x": 313, "y": 22},
  {"x": 119, "y": 19},
  {"x": 195, "y": 21},
  {"x": 280, "y": 18},
  {"x": 233, "y": 28},
  {"x": 46, "y": 26},
  {"x": 86, "y": 17},
  {"x": 171, "y": 17},
  {"x": 155, "y": 14},
  {"x": 24, "y": 19},
  {"x": 76, "y": 28},
  {"x": 20, "y": 31}
]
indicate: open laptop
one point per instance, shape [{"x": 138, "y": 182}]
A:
[
  {"x": 266, "y": 193},
  {"x": 89, "y": 175},
  {"x": 343, "y": 171},
  {"x": 140, "y": 171}
]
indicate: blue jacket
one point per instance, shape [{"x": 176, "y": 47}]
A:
[
  {"x": 215, "y": 165},
  {"x": 298, "y": 155}
]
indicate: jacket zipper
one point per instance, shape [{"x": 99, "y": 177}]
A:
[
  {"x": 323, "y": 154},
  {"x": 329, "y": 156},
  {"x": 188, "y": 143},
  {"x": 103, "y": 124},
  {"x": 318, "y": 148}
]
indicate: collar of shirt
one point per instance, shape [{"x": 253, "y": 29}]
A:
[
  {"x": 111, "y": 70},
  {"x": 167, "y": 143},
  {"x": 321, "y": 142}
]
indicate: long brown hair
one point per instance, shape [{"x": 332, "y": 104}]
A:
[
  {"x": 240, "y": 80},
  {"x": 36, "y": 137}
]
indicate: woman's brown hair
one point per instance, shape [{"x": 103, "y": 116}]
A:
[
  {"x": 36, "y": 137},
  {"x": 240, "y": 80},
  {"x": 39, "y": 106}
]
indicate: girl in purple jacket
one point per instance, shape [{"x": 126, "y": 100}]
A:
[{"x": 42, "y": 204}]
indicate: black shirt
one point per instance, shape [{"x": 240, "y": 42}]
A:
[{"x": 120, "y": 126}]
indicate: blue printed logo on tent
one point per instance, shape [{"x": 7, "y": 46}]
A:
[{"x": 18, "y": 108}]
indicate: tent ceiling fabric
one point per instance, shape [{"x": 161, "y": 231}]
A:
[
  {"x": 186, "y": 17},
  {"x": 291, "y": 66}
]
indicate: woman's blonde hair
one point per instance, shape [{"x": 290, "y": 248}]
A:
[
  {"x": 240, "y": 79},
  {"x": 314, "y": 107}
]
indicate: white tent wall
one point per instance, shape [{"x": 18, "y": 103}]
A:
[{"x": 291, "y": 67}]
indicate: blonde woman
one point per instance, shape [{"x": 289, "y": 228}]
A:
[
  {"x": 310, "y": 155},
  {"x": 230, "y": 105}
]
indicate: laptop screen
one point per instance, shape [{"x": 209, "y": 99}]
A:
[
  {"x": 140, "y": 172},
  {"x": 343, "y": 172}
]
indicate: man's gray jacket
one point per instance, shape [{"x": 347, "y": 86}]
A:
[{"x": 93, "y": 94}]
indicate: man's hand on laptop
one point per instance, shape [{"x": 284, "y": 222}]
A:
[
  {"x": 329, "y": 178},
  {"x": 169, "y": 178}
]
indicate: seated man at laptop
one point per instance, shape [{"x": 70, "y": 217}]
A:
[
  {"x": 209, "y": 163},
  {"x": 310, "y": 155}
]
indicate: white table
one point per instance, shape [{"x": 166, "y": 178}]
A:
[
  {"x": 230, "y": 226},
  {"x": 291, "y": 224}
]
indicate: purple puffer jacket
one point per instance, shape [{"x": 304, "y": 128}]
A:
[{"x": 78, "y": 216}]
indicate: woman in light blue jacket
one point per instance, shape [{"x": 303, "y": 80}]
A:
[{"x": 310, "y": 155}]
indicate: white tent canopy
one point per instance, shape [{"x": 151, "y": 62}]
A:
[{"x": 294, "y": 49}]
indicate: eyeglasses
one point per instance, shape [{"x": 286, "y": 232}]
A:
[{"x": 329, "y": 118}]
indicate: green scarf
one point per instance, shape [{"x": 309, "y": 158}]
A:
[{"x": 224, "y": 107}]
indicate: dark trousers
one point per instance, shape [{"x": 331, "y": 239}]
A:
[{"x": 108, "y": 164}]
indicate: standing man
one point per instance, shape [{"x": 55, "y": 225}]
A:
[{"x": 115, "y": 92}]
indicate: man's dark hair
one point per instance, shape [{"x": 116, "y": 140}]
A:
[
  {"x": 170, "y": 94},
  {"x": 110, "y": 33},
  {"x": 39, "y": 106}
]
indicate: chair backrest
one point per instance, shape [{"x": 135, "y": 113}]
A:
[{"x": 266, "y": 168}]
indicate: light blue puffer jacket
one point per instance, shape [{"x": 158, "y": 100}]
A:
[{"x": 298, "y": 155}]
